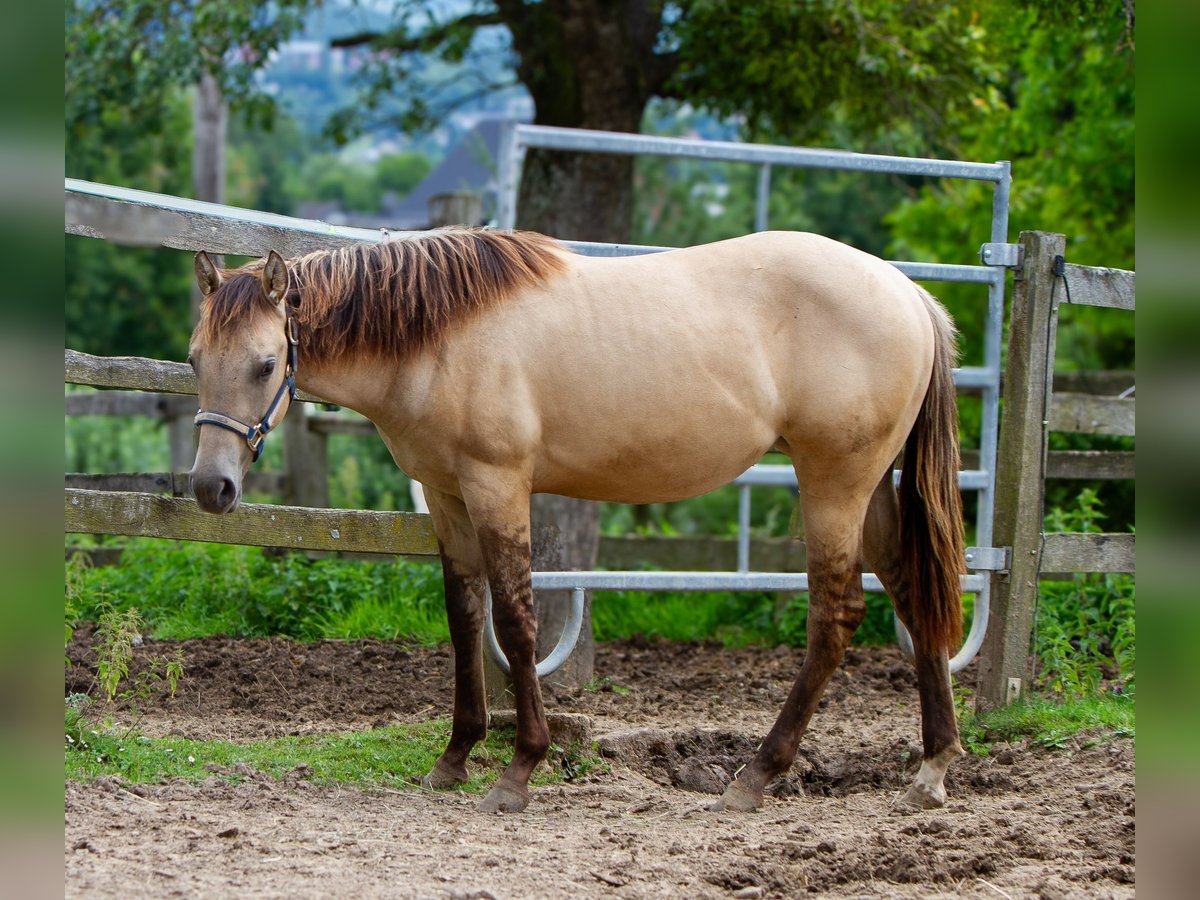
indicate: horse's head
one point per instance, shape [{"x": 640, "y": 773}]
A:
[{"x": 243, "y": 353}]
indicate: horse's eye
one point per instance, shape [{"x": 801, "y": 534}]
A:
[{"x": 267, "y": 368}]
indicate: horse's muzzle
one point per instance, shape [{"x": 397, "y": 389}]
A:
[{"x": 216, "y": 493}]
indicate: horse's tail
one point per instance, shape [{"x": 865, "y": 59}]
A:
[{"x": 931, "y": 519}]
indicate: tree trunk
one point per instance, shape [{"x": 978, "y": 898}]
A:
[
  {"x": 581, "y": 196},
  {"x": 209, "y": 122}
]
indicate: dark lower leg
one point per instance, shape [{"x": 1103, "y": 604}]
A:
[
  {"x": 516, "y": 632},
  {"x": 939, "y": 727},
  {"x": 836, "y": 609},
  {"x": 464, "y": 608}
]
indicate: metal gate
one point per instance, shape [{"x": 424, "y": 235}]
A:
[{"x": 995, "y": 256}]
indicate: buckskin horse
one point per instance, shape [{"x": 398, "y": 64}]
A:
[{"x": 498, "y": 364}]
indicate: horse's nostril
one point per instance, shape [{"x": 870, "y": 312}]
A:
[{"x": 228, "y": 493}]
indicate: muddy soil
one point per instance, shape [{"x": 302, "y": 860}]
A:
[{"x": 674, "y": 722}]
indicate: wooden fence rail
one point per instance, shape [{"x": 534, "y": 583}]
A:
[
  {"x": 256, "y": 525},
  {"x": 1032, "y": 409}
]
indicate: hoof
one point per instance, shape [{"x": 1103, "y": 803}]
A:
[
  {"x": 444, "y": 777},
  {"x": 737, "y": 799},
  {"x": 502, "y": 799},
  {"x": 921, "y": 796}
]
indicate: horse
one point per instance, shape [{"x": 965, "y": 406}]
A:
[{"x": 496, "y": 365}]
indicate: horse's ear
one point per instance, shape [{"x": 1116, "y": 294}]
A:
[
  {"x": 208, "y": 277},
  {"x": 275, "y": 278}
]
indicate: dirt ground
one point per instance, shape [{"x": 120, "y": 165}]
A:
[{"x": 674, "y": 722}]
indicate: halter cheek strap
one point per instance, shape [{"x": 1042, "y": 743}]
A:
[{"x": 254, "y": 435}]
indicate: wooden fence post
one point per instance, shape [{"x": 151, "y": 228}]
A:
[
  {"x": 1020, "y": 472},
  {"x": 180, "y": 413},
  {"x": 305, "y": 460}
]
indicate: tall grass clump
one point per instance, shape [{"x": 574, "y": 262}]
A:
[
  {"x": 1084, "y": 642},
  {"x": 186, "y": 590}
]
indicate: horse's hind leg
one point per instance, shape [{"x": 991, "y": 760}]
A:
[
  {"x": 836, "y": 609},
  {"x": 939, "y": 730},
  {"x": 462, "y": 569}
]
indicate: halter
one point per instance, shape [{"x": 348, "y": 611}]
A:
[{"x": 255, "y": 434}]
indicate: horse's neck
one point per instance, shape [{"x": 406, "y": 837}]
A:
[{"x": 363, "y": 386}]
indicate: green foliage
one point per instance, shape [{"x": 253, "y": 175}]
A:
[
  {"x": 115, "y": 634},
  {"x": 1085, "y": 632},
  {"x": 192, "y": 590},
  {"x": 1066, "y": 123},
  {"x": 734, "y": 619},
  {"x": 118, "y": 631},
  {"x": 794, "y": 68},
  {"x": 132, "y": 54}
]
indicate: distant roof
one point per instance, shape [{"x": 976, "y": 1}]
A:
[{"x": 469, "y": 166}]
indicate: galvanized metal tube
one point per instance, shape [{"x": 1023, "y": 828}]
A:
[
  {"x": 743, "y": 548},
  {"x": 586, "y": 141},
  {"x": 562, "y": 650},
  {"x": 700, "y": 581},
  {"x": 507, "y": 177},
  {"x": 763, "y": 198}
]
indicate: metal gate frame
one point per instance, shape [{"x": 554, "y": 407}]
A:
[{"x": 996, "y": 255}]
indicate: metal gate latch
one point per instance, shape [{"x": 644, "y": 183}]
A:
[
  {"x": 987, "y": 559},
  {"x": 1007, "y": 255}
]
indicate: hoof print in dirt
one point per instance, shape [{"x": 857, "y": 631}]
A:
[{"x": 700, "y": 776}]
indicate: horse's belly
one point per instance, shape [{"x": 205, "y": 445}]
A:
[{"x": 657, "y": 465}]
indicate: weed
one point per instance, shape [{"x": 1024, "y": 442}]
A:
[
  {"x": 1085, "y": 631},
  {"x": 1050, "y": 723}
]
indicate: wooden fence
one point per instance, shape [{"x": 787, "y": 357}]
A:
[{"x": 1033, "y": 409}]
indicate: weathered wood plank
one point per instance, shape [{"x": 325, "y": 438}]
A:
[
  {"x": 256, "y": 525},
  {"x": 1066, "y": 552},
  {"x": 137, "y": 373},
  {"x": 306, "y": 459},
  {"x": 147, "y": 221},
  {"x": 119, "y": 403},
  {"x": 129, "y": 372},
  {"x": 143, "y": 482},
  {"x": 1090, "y": 465},
  {"x": 1101, "y": 382},
  {"x": 334, "y": 423},
  {"x": 1098, "y": 286},
  {"x": 1084, "y": 414},
  {"x": 699, "y": 554},
  {"x": 176, "y": 483}
]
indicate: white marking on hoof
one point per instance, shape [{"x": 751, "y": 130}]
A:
[
  {"x": 922, "y": 796},
  {"x": 927, "y": 791}
]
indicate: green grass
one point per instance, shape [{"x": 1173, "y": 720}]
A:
[
  {"x": 734, "y": 619},
  {"x": 394, "y": 756},
  {"x": 1049, "y": 722},
  {"x": 185, "y": 590}
]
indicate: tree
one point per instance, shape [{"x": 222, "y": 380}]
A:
[{"x": 789, "y": 68}]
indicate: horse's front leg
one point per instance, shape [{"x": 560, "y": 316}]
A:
[
  {"x": 500, "y": 511},
  {"x": 462, "y": 570}
]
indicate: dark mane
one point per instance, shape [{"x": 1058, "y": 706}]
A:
[{"x": 392, "y": 298}]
